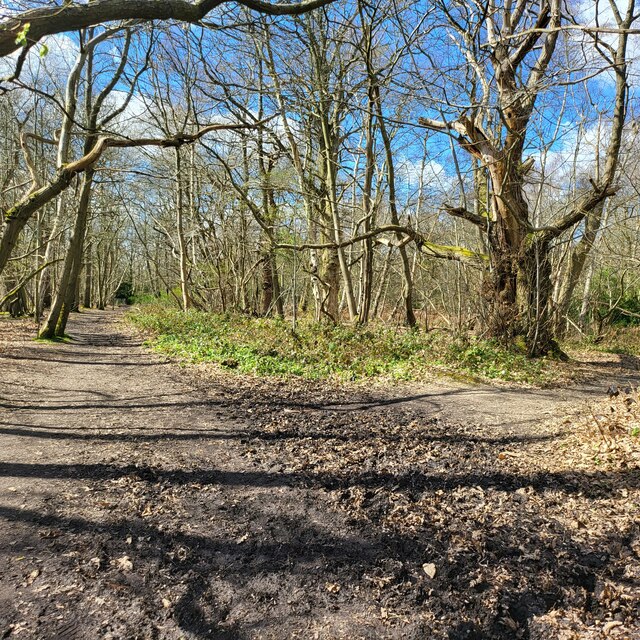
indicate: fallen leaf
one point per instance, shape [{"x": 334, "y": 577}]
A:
[
  {"x": 124, "y": 563},
  {"x": 610, "y": 626},
  {"x": 32, "y": 576},
  {"x": 430, "y": 569}
]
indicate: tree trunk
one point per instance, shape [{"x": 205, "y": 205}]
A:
[
  {"x": 16, "y": 305},
  {"x": 407, "y": 293},
  {"x": 267, "y": 283},
  {"x": 44, "y": 281},
  {"x": 519, "y": 284},
  {"x": 332, "y": 214},
  {"x": 65, "y": 296},
  {"x": 577, "y": 261},
  {"x": 330, "y": 276},
  {"x": 277, "y": 289},
  {"x": 366, "y": 274},
  {"x": 88, "y": 273},
  {"x": 182, "y": 245}
]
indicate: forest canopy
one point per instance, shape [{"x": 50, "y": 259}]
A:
[{"x": 466, "y": 165}]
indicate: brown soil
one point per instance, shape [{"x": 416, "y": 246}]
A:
[{"x": 142, "y": 500}]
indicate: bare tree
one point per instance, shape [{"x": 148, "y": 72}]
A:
[{"x": 511, "y": 69}]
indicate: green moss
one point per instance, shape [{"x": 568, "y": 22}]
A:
[
  {"x": 57, "y": 339},
  {"x": 460, "y": 253},
  {"x": 520, "y": 345}
]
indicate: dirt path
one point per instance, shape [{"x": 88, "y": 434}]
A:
[
  {"x": 513, "y": 410},
  {"x": 137, "y": 501}
]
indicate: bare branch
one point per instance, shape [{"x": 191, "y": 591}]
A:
[
  {"x": 461, "y": 212},
  {"x": 17, "y": 216},
  {"x": 7, "y": 297},
  {"x": 585, "y": 206},
  {"x": 445, "y": 252},
  {"x": 72, "y": 16}
]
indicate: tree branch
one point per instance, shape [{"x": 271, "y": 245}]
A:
[
  {"x": 445, "y": 252},
  {"x": 7, "y": 297},
  {"x": 461, "y": 212},
  {"x": 587, "y": 204},
  {"x": 531, "y": 38},
  {"x": 49, "y": 20},
  {"x": 17, "y": 216}
]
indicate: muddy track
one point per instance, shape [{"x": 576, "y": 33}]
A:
[{"x": 140, "y": 501}]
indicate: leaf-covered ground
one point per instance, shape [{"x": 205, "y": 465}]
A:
[
  {"x": 138, "y": 500},
  {"x": 517, "y": 537}
]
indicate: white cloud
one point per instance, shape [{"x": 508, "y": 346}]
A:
[
  {"x": 135, "y": 121},
  {"x": 48, "y": 62},
  {"x": 433, "y": 176},
  {"x": 600, "y": 14}
]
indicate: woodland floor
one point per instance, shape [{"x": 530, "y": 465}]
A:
[{"x": 139, "y": 499}]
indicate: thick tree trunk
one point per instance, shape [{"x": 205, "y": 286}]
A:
[
  {"x": 518, "y": 285},
  {"x": 508, "y": 213},
  {"x": 65, "y": 296},
  {"x": 519, "y": 289},
  {"x": 535, "y": 298}
]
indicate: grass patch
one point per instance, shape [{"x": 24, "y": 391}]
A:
[{"x": 269, "y": 347}]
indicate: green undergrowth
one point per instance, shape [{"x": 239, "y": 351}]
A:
[
  {"x": 270, "y": 347},
  {"x": 618, "y": 340},
  {"x": 624, "y": 341}
]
